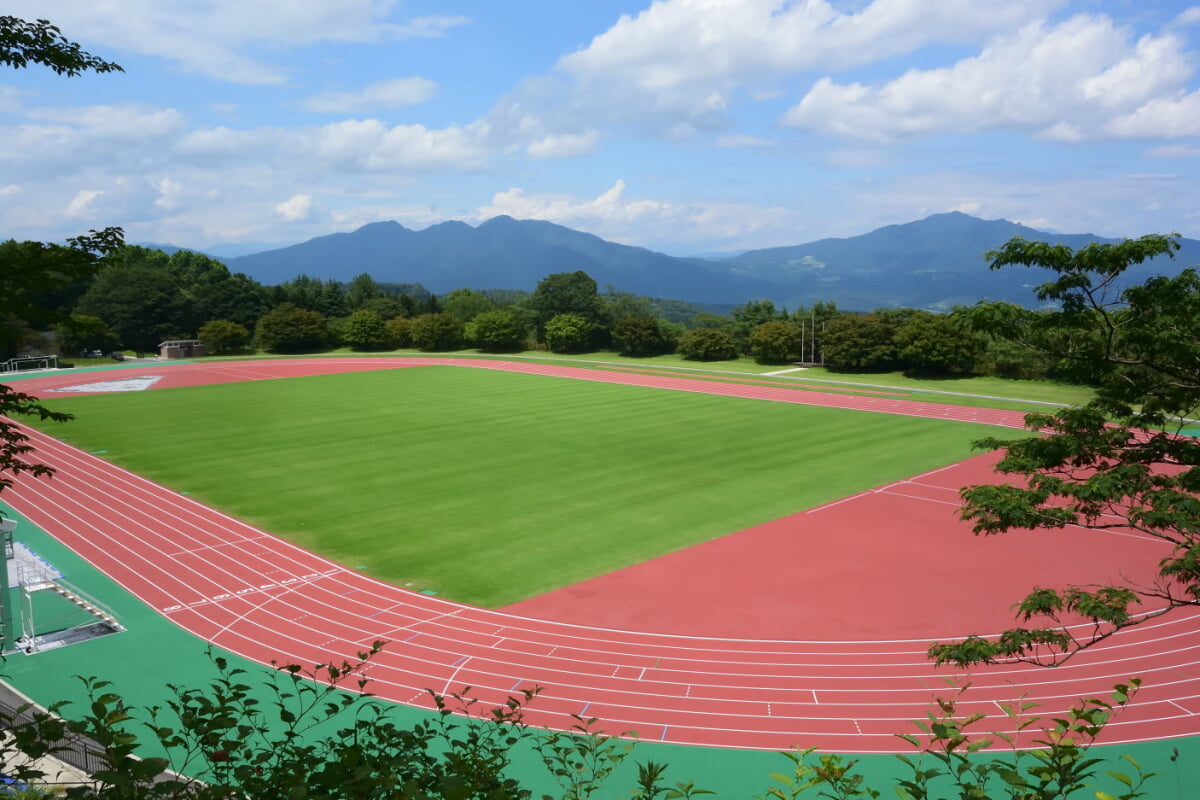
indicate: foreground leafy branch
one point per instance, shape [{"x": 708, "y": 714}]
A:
[
  {"x": 954, "y": 757},
  {"x": 1117, "y": 463},
  {"x": 24, "y": 43},
  {"x": 14, "y": 443},
  {"x": 299, "y": 735}
]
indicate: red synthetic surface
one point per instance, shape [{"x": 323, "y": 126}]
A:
[{"x": 265, "y": 599}]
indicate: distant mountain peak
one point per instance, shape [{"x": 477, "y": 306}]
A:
[
  {"x": 936, "y": 262},
  {"x": 381, "y": 225}
]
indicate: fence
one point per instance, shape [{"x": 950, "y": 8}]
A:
[
  {"x": 77, "y": 751},
  {"x": 23, "y": 363}
]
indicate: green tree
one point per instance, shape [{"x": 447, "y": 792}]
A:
[
  {"x": 569, "y": 333},
  {"x": 222, "y": 336},
  {"x": 436, "y": 332},
  {"x": 466, "y": 304},
  {"x": 861, "y": 342},
  {"x": 211, "y": 292},
  {"x": 501, "y": 331},
  {"x": 565, "y": 293},
  {"x": 40, "y": 282},
  {"x": 366, "y": 330},
  {"x": 707, "y": 319},
  {"x": 615, "y": 305},
  {"x": 400, "y": 331},
  {"x": 305, "y": 291},
  {"x": 289, "y": 329},
  {"x": 138, "y": 297},
  {"x": 708, "y": 344},
  {"x": 81, "y": 333},
  {"x": 749, "y": 316},
  {"x": 812, "y": 322},
  {"x": 641, "y": 336},
  {"x": 390, "y": 307},
  {"x": 1002, "y": 354},
  {"x": 362, "y": 289},
  {"x": 775, "y": 342},
  {"x": 1116, "y": 463},
  {"x": 938, "y": 344}
]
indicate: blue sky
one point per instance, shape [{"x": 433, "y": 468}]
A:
[{"x": 681, "y": 125}]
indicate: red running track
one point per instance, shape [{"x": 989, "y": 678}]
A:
[{"x": 262, "y": 598}]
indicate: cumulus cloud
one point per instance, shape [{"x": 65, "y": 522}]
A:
[
  {"x": 608, "y": 206},
  {"x": 169, "y": 192},
  {"x": 684, "y": 59},
  {"x": 614, "y": 216},
  {"x": 369, "y": 145},
  {"x": 297, "y": 208},
  {"x": 1189, "y": 16},
  {"x": 564, "y": 145},
  {"x": 144, "y": 167},
  {"x": 1168, "y": 118},
  {"x": 1083, "y": 78},
  {"x": 56, "y": 140},
  {"x": 81, "y": 203},
  {"x": 224, "y": 39},
  {"x": 395, "y": 93}
]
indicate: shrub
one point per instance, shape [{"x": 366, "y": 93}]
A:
[{"x": 708, "y": 344}]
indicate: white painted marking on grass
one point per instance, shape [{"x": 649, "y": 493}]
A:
[{"x": 136, "y": 384}]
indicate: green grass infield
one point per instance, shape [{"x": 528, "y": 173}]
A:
[{"x": 490, "y": 487}]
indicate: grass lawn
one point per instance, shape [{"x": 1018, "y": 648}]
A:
[
  {"x": 492, "y": 487},
  {"x": 978, "y": 391}
]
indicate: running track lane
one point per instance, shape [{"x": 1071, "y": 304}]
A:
[{"x": 264, "y": 599}]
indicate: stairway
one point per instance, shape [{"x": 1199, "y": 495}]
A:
[{"x": 85, "y": 604}]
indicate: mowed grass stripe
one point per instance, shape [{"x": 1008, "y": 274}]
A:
[{"x": 490, "y": 487}]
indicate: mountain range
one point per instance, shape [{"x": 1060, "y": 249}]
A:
[{"x": 935, "y": 263}]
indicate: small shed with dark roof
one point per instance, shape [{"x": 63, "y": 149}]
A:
[{"x": 182, "y": 348}]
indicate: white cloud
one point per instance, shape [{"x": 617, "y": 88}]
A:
[
  {"x": 123, "y": 121},
  {"x": 429, "y": 27},
  {"x": 1160, "y": 118},
  {"x": 1064, "y": 82},
  {"x": 225, "y": 39},
  {"x": 646, "y": 221},
  {"x": 297, "y": 208},
  {"x": 81, "y": 203},
  {"x": 564, "y": 145},
  {"x": 395, "y": 93},
  {"x": 169, "y": 192},
  {"x": 1189, "y": 16},
  {"x": 608, "y": 206},
  {"x": 684, "y": 59},
  {"x": 11, "y": 189},
  {"x": 743, "y": 140},
  {"x": 1175, "y": 151},
  {"x": 369, "y": 145}
]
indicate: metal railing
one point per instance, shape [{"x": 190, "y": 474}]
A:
[
  {"x": 77, "y": 751},
  {"x": 23, "y": 363}
]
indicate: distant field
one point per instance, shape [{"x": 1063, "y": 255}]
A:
[{"x": 491, "y": 487}]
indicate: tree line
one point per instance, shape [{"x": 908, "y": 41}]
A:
[{"x": 139, "y": 297}]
